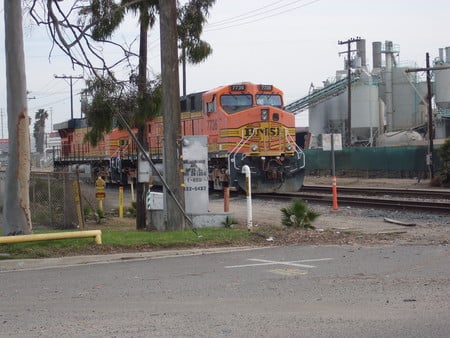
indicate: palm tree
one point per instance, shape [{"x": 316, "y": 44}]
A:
[{"x": 39, "y": 129}]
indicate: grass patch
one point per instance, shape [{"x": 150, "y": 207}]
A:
[{"x": 124, "y": 241}]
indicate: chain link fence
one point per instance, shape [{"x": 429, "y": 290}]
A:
[{"x": 52, "y": 199}]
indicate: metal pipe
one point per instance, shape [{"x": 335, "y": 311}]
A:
[
  {"x": 51, "y": 236},
  {"x": 429, "y": 158},
  {"x": 248, "y": 191},
  {"x": 389, "y": 86}
]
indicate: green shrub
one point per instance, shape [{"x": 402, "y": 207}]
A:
[
  {"x": 100, "y": 213},
  {"x": 444, "y": 153},
  {"x": 298, "y": 215},
  {"x": 132, "y": 209},
  {"x": 86, "y": 210}
]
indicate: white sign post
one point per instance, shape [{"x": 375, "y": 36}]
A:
[
  {"x": 195, "y": 165},
  {"x": 332, "y": 142}
]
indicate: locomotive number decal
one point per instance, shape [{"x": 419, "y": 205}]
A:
[
  {"x": 212, "y": 124},
  {"x": 274, "y": 131}
]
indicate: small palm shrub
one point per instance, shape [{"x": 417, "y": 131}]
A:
[{"x": 298, "y": 215}]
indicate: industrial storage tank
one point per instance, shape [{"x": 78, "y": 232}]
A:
[
  {"x": 399, "y": 138},
  {"x": 365, "y": 110},
  {"x": 406, "y": 102},
  {"x": 331, "y": 116},
  {"x": 328, "y": 116},
  {"x": 336, "y": 113},
  {"x": 442, "y": 80}
]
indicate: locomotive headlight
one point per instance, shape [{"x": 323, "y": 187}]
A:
[
  {"x": 254, "y": 148},
  {"x": 264, "y": 114},
  {"x": 289, "y": 147}
]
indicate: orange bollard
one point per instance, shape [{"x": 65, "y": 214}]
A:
[
  {"x": 226, "y": 199},
  {"x": 334, "y": 189}
]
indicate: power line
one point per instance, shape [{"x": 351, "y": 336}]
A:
[
  {"x": 228, "y": 23},
  {"x": 71, "y": 89},
  {"x": 244, "y": 15}
]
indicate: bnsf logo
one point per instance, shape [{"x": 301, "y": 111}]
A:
[{"x": 262, "y": 131}]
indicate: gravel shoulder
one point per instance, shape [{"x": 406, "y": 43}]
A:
[{"x": 355, "y": 224}]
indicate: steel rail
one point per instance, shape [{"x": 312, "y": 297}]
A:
[
  {"x": 364, "y": 201},
  {"x": 371, "y": 191}
]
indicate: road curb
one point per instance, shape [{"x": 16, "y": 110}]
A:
[{"x": 10, "y": 265}]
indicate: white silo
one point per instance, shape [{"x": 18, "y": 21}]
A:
[
  {"x": 442, "y": 81},
  {"x": 365, "y": 107},
  {"x": 406, "y": 110}
]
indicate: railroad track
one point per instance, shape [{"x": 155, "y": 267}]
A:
[
  {"x": 372, "y": 191},
  {"x": 419, "y": 200}
]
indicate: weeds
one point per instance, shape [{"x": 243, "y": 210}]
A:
[{"x": 229, "y": 221}]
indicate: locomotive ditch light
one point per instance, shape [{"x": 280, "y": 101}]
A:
[
  {"x": 254, "y": 148},
  {"x": 264, "y": 114},
  {"x": 289, "y": 147}
]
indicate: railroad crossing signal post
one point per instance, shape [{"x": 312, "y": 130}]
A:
[{"x": 100, "y": 192}]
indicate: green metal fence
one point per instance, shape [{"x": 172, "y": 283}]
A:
[{"x": 392, "y": 161}]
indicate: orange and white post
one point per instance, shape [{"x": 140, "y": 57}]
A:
[
  {"x": 333, "y": 174},
  {"x": 334, "y": 190}
]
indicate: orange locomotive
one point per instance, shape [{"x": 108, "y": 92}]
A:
[{"x": 245, "y": 124}]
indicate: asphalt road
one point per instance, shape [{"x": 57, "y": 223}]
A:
[{"x": 297, "y": 291}]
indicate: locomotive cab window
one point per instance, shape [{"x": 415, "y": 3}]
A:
[
  {"x": 273, "y": 100},
  {"x": 193, "y": 105},
  {"x": 211, "y": 106},
  {"x": 183, "y": 105},
  {"x": 235, "y": 103}
]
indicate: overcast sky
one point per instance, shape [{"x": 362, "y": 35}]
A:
[{"x": 287, "y": 43}]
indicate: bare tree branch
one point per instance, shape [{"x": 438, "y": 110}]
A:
[{"x": 70, "y": 31}]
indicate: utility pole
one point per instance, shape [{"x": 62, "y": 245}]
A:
[
  {"x": 171, "y": 113},
  {"x": 428, "y": 69},
  {"x": 71, "y": 78},
  {"x": 349, "y": 85},
  {"x": 1, "y": 117}
]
